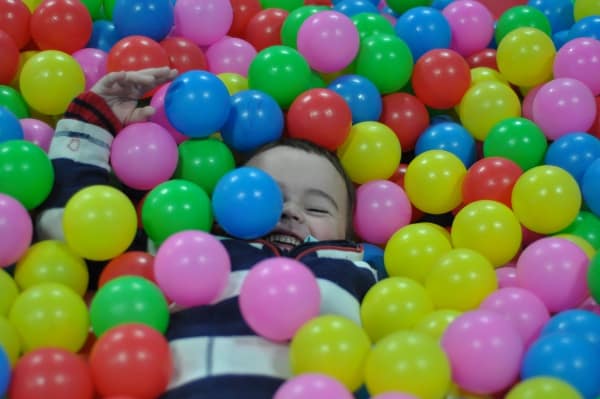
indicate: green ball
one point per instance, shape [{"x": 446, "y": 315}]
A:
[
  {"x": 386, "y": 61},
  {"x": 521, "y": 17},
  {"x": 26, "y": 173},
  {"x": 281, "y": 72},
  {"x": 401, "y": 6},
  {"x": 517, "y": 139},
  {"x": 368, "y": 24},
  {"x": 593, "y": 277},
  {"x": 293, "y": 22},
  {"x": 14, "y": 101},
  {"x": 587, "y": 226},
  {"x": 174, "y": 206},
  {"x": 108, "y": 6},
  {"x": 129, "y": 299},
  {"x": 288, "y": 5},
  {"x": 204, "y": 162}
]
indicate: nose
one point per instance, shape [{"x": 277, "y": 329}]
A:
[{"x": 292, "y": 211}]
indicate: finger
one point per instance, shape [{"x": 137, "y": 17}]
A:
[{"x": 141, "y": 114}]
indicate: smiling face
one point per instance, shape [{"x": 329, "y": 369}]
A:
[{"x": 314, "y": 194}]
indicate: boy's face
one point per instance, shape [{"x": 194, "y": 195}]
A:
[{"x": 314, "y": 195}]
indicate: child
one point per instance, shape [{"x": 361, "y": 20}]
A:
[{"x": 216, "y": 354}]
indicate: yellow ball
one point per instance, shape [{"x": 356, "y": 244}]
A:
[
  {"x": 413, "y": 249},
  {"x": 490, "y": 228},
  {"x": 32, "y": 4},
  {"x": 485, "y": 104},
  {"x": 546, "y": 199},
  {"x": 332, "y": 345},
  {"x": 408, "y": 362},
  {"x": 433, "y": 181},
  {"x": 9, "y": 340},
  {"x": 370, "y": 152},
  {"x": 460, "y": 280},
  {"x": 8, "y": 292},
  {"x": 50, "y": 314},
  {"x": 52, "y": 261},
  {"x": 99, "y": 222},
  {"x": 543, "y": 387},
  {"x": 234, "y": 82},
  {"x": 526, "y": 56},
  {"x": 49, "y": 81},
  {"x": 393, "y": 304},
  {"x": 586, "y": 8},
  {"x": 485, "y": 74},
  {"x": 435, "y": 323}
]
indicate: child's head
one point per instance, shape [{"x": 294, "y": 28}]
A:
[{"x": 318, "y": 196}]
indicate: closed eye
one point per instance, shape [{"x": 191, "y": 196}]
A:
[{"x": 318, "y": 210}]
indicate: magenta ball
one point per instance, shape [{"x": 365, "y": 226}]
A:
[
  {"x": 160, "y": 116},
  {"x": 192, "y": 268},
  {"x": 230, "y": 54},
  {"x": 16, "y": 230},
  {"x": 563, "y": 106},
  {"x": 507, "y": 276},
  {"x": 38, "y": 132},
  {"x": 382, "y": 207},
  {"x": 312, "y": 386},
  {"x": 521, "y": 307},
  {"x": 203, "y": 21},
  {"x": 328, "y": 40},
  {"x": 471, "y": 26},
  {"x": 394, "y": 395},
  {"x": 278, "y": 296},
  {"x": 580, "y": 59},
  {"x": 93, "y": 64},
  {"x": 144, "y": 155},
  {"x": 555, "y": 270},
  {"x": 527, "y": 106},
  {"x": 484, "y": 350}
]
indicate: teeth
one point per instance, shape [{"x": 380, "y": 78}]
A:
[{"x": 284, "y": 239}]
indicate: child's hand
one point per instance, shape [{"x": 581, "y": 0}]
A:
[{"x": 122, "y": 90}]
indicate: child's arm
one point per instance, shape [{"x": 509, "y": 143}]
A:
[{"x": 80, "y": 148}]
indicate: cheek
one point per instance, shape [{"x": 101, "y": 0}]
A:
[{"x": 326, "y": 229}]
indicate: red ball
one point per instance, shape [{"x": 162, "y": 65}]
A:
[
  {"x": 132, "y": 263},
  {"x": 321, "y": 116},
  {"x": 184, "y": 55},
  {"x": 136, "y": 52},
  {"x": 131, "y": 359},
  {"x": 440, "y": 78},
  {"x": 63, "y": 25},
  {"x": 491, "y": 178},
  {"x": 10, "y": 58},
  {"x": 484, "y": 58},
  {"x": 243, "y": 11},
  {"x": 51, "y": 373},
  {"x": 264, "y": 28},
  {"x": 14, "y": 20},
  {"x": 595, "y": 129},
  {"x": 407, "y": 116}
]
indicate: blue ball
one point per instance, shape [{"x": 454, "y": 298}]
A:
[
  {"x": 104, "y": 35},
  {"x": 150, "y": 18},
  {"x": 440, "y": 4},
  {"x": 590, "y": 188},
  {"x": 4, "y": 371},
  {"x": 255, "y": 119},
  {"x": 353, "y": 7},
  {"x": 586, "y": 27},
  {"x": 10, "y": 127},
  {"x": 423, "y": 29},
  {"x": 575, "y": 321},
  {"x": 361, "y": 95},
  {"x": 373, "y": 255},
  {"x": 567, "y": 357},
  {"x": 247, "y": 203},
  {"x": 451, "y": 137},
  {"x": 573, "y": 152},
  {"x": 197, "y": 103},
  {"x": 558, "y": 12},
  {"x": 560, "y": 38}
]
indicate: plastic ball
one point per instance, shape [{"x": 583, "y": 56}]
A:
[
  {"x": 243, "y": 11},
  {"x": 14, "y": 19},
  {"x": 151, "y": 18},
  {"x": 16, "y": 230},
  {"x": 491, "y": 178},
  {"x": 525, "y": 16},
  {"x": 368, "y": 24},
  {"x": 10, "y": 341},
  {"x": 360, "y": 94},
  {"x": 130, "y": 263},
  {"x": 547, "y": 387},
  {"x": 448, "y": 136},
  {"x": 573, "y": 152},
  {"x": 104, "y": 35},
  {"x": 579, "y": 59},
  {"x": 406, "y": 115},
  {"x": 589, "y": 187},
  {"x": 471, "y": 26},
  {"x": 312, "y": 386},
  {"x": 423, "y": 29},
  {"x": 585, "y": 8},
  {"x": 184, "y": 55},
  {"x": 136, "y": 52},
  {"x": 9, "y": 292},
  {"x": 558, "y": 12},
  {"x": 203, "y": 21},
  {"x": 10, "y": 65},
  {"x": 93, "y": 64},
  {"x": 436, "y": 322},
  {"x": 264, "y": 28},
  {"x": 230, "y": 54},
  {"x": 575, "y": 321}
]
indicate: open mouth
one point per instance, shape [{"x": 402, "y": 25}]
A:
[{"x": 284, "y": 240}]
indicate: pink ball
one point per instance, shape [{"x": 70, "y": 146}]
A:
[
  {"x": 484, "y": 350},
  {"x": 192, "y": 268},
  {"x": 522, "y": 308},
  {"x": 278, "y": 296},
  {"x": 471, "y": 26},
  {"x": 93, "y": 64},
  {"x": 394, "y": 395},
  {"x": 313, "y": 386},
  {"x": 382, "y": 207},
  {"x": 564, "y": 106},
  {"x": 527, "y": 107},
  {"x": 554, "y": 269},
  {"x": 230, "y": 54},
  {"x": 38, "y": 132},
  {"x": 507, "y": 276},
  {"x": 203, "y": 21},
  {"x": 580, "y": 59},
  {"x": 16, "y": 230},
  {"x": 328, "y": 40},
  {"x": 144, "y": 155},
  {"x": 160, "y": 116}
]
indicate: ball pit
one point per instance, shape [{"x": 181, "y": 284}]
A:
[{"x": 470, "y": 129}]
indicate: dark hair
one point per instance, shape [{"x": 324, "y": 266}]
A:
[{"x": 313, "y": 148}]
